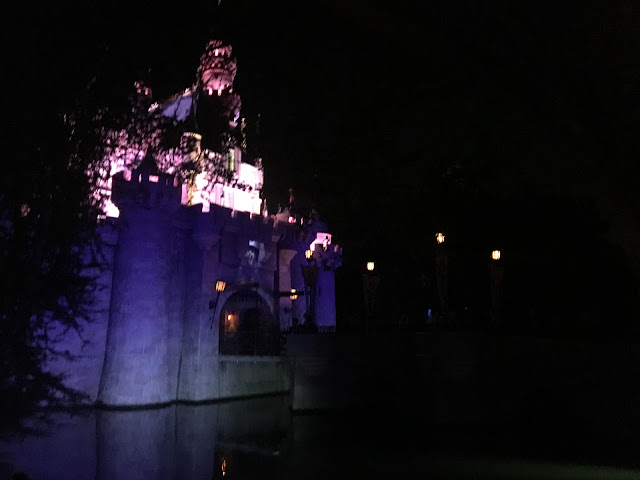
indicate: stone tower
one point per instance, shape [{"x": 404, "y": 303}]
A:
[{"x": 138, "y": 362}]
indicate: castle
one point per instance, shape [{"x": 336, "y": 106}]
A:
[{"x": 201, "y": 282}]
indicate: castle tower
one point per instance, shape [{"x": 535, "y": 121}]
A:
[
  {"x": 217, "y": 68},
  {"x": 138, "y": 366}
]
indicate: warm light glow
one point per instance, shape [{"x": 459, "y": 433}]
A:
[
  {"x": 154, "y": 178},
  {"x": 370, "y": 266},
  {"x": 220, "y": 286},
  {"x": 495, "y": 254},
  {"x": 292, "y": 220},
  {"x": 231, "y": 322},
  {"x": 294, "y": 294},
  {"x": 308, "y": 254},
  {"x": 440, "y": 237}
]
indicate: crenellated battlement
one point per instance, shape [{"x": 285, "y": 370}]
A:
[
  {"x": 151, "y": 189},
  {"x": 146, "y": 188}
]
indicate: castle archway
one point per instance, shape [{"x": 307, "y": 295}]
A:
[{"x": 247, "y": 325}]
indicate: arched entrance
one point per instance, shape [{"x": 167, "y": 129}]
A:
[{"x": 247, "y": 326}]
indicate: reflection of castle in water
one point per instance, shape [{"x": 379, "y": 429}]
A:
[
  {"x": 192, "y": 442},
  {"x": 186, "y": 442},
  {"x": 161, "y": 332}
]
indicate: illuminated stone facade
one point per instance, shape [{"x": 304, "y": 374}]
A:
[
  {"x": 207, "y": 112},
  {"x": 161, "y": 332}
]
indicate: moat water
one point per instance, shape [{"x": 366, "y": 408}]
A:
[{"x": 261, "y": 439}]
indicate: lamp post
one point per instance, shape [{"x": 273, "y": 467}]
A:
[
  {"x": 442, "y": 274},
  {"x": 310, "y": 275},
  {"x": 496, "y": 275},
  {"x": 213, "y": 305},
  {"x": 370, "y": 282}
]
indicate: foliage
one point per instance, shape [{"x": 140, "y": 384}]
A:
[
  {"x": 50, "y": 250},
  {"x": 47, "y": 244}
]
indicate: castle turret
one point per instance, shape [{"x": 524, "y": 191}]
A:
[
  {"x": 217, "y": 67},
  {"x": 138, "y": 360}
]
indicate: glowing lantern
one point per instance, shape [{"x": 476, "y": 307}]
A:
[
  {"x": 293, "y": 294},
  {"x": 308, "y": 254},
  {"x": 370, "y": 266},
  {"x": 231, "y": 322},
  {"x": 495, "y": 255},
  {"x": 440, "y": 237},
  {"x": 220, "y": 286}
]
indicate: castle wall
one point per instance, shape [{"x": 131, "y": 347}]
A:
[
  {"x": 136, "y": 368},
  {"x": 138, "y": 363},
  {"x": 215, "y": 251},
  {"x": 325, "y": 313},
  {"x": 198, "y": 365},
  {"x": 153, "y": 338}
]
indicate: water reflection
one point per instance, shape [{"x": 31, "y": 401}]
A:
[
  {"x": 260, "y": 439},
  {"x": 239, "y": 439}
]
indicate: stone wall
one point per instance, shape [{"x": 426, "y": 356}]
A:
[
  {"x": 138, "y": 358},
  {"x": 153, "y": 338}
]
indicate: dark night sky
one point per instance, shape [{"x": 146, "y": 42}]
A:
[{"x": 395, "y": 115}]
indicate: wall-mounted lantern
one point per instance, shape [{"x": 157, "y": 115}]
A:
[
  {"x": 495, "y": 255},
  {"x": 213, "y": 305},
  {"x": 440, "y": 237},
  {"x": 371, "y": 266}
]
